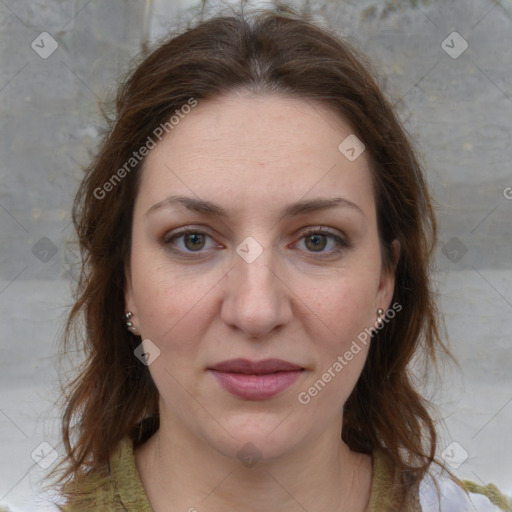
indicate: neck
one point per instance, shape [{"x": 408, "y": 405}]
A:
[{"x": 322, "y": 475}]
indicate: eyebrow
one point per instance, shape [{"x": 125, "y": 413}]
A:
[{"x": 295, "y": 209}]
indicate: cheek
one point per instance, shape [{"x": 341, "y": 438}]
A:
[
  {"x": 171, "y": 302},
  {"x": 340, "y": 343},
  {"x": 172, "y": 315},
  {"x": 165, "y": 300},
  {"x": 345, "y": 305}
]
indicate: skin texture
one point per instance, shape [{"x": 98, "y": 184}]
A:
[{"x": 299, "y": 300}]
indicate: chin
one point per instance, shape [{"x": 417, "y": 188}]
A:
[{"x": 258, "y": 436}]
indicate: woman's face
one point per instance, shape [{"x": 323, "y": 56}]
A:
[{"x": 257, "y": 280}]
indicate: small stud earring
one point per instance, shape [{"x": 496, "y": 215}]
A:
[
  {"x": 380, "y": 314},
  {"x": 127, "y": 322}
]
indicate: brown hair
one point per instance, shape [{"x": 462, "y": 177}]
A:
[{"x": 271, "y": 52}]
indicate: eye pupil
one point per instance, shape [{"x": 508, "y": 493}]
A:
[
  {"x": 195, "y": 238},
  {"x": 318, "y": 242}
]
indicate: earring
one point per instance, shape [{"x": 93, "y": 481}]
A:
[
  {"x": 380, "y": 314},
  {"x": 127, "y": 322}
]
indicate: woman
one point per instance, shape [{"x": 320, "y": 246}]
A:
[{"x": 256, "y": 233}]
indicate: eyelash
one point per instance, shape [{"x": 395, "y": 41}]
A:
[{"x": 342, "y": 243}]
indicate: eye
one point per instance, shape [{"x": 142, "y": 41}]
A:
[
  {"x": 316, "y": 240},
  {"x": 193, "y": 240}
]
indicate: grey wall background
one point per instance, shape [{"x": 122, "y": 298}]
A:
[{"x": 457, "y": 104}]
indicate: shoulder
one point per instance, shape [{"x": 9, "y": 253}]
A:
[
  {"x": 437, "y": 492},
  {"x": 94, "y": 491},
  {"x": 448, "y": 496},
  {"x": 116, "y": 486}
]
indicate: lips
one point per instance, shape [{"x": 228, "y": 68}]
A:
[
  {"x": 255, "y": 367},
  {"x": 251, "y": 380}
]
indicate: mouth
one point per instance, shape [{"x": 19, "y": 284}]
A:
[
  {"x": 248, "y": 367},
  {"x": 251, "y": 380}
]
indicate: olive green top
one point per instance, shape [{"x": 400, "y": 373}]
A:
[{"x": 120, "y": 489}]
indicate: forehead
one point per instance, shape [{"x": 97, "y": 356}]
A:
[
  {"x": 240, "y": 120},
  {"x": 256, "y": 146}
]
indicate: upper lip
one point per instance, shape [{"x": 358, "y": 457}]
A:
[{"x": 255, "y": 367}]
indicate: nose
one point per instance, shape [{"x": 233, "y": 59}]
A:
[{"x": 257, "y": 299}]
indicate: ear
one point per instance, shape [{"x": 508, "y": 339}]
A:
[
  {"x": 387, "y": 278},
  {"x": 129, "y": 301},
  {"x": 395, "y": 253}
]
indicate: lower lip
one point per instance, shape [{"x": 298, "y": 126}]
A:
[{"x": 256, "y": 387}]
